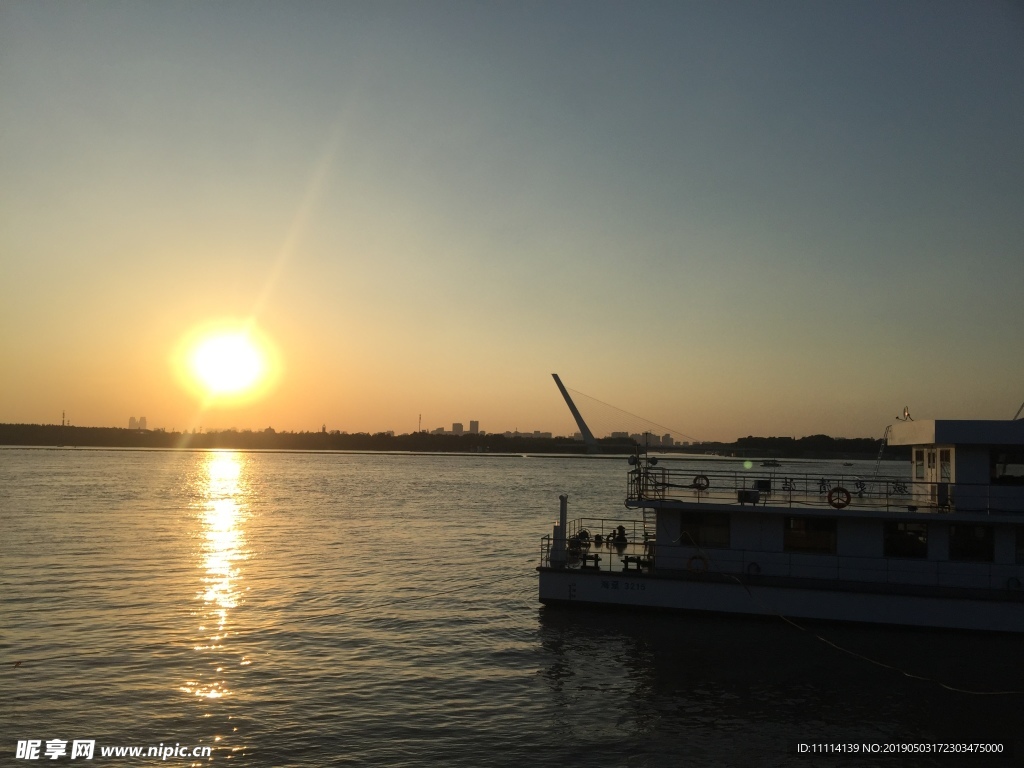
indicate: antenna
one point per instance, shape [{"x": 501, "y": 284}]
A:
[{"x": 1017, "y": 414}]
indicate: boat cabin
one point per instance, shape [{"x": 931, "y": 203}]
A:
[{"x": 965, "y": 466}]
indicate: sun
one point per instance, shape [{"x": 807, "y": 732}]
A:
[{"x": 227, "y": 363}]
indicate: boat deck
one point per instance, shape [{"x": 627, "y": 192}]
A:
[
  {"x": 769, "y": 487},
  {"x": 592, "y": 546}
]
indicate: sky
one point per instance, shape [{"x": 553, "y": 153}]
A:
[{"x": 729, "y": 218}]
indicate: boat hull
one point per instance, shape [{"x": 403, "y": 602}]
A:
[{"x": 573, "y": 586}]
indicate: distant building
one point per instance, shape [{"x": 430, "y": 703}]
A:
[
  {"x": 133, "y": 423},
  {"x": 535, "y": 434},
  {"x": 457, "y": 428},
  {"x": 646, "y": 438},
  {"x": 474, "y": 427},
  {"x": 142, "y": 422},
  {"x": 667, "y": 440},
  {"x": 620, "y": 435}
]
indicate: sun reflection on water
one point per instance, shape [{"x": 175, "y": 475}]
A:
[{"x": 223, "y": 512}]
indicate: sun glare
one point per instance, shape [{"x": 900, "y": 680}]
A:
[{"x": 226, "y": 364}]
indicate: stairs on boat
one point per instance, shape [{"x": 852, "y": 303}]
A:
[{"x": 650, "y": 525}]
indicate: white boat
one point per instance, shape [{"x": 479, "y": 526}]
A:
[{"x": 942, "y": 549}]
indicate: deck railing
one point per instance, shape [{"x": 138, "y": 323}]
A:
[
  {"x": 790, "y": 489},
  {"x": 596, "y": 544},
  {"x": 638, "y": 556},
  {"x": 879, "y": 570}
]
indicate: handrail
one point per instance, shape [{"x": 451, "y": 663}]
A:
[
  {"x": 657, "y": 483},
  {"x": 638, "y": 557},
  {"x": 634, "y": 553},
  {"x": 879, "y": 569}
]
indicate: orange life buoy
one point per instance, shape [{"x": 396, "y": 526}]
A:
[{"x": 839, "y": 497}]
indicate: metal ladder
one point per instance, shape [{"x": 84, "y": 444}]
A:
[{"x": 650, "y": 524}]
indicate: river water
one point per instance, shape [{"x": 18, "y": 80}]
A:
[{"x": 309, "y": 609}]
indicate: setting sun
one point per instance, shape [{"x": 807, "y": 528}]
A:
[{"x": 227, "y": 363}]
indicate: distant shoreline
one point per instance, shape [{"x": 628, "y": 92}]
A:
[{"x": 58, "y": 436}]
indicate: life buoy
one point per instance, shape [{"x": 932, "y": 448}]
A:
[
  {"x": 701, "y": 482},
  {"x": 697, "y": 564},
  {"x": 839, "y": 497},
  {"x": 753, "y": 569}
]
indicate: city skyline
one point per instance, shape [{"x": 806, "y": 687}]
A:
[
  {"x": 730, "y": 219},
  {"x": 654, "y": 438}
]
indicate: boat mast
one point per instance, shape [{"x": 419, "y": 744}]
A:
[
  {"x": 588, "y": 436},
  {"x": 881, "y": 448}
]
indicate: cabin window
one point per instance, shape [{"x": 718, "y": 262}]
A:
[
  {"x": 973, "y": 543},
  {"x": 945, "y": 466},
  {"x": 919, "y": 465},
  {"x": 816, "y": 535},
  {"x": 1007, "y": 467},
  {"x": 704, "y": 529},
  {"x": 906, "y": 540}
]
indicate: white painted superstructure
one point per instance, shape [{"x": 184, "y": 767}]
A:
[{"x": 945, "y": 549}]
